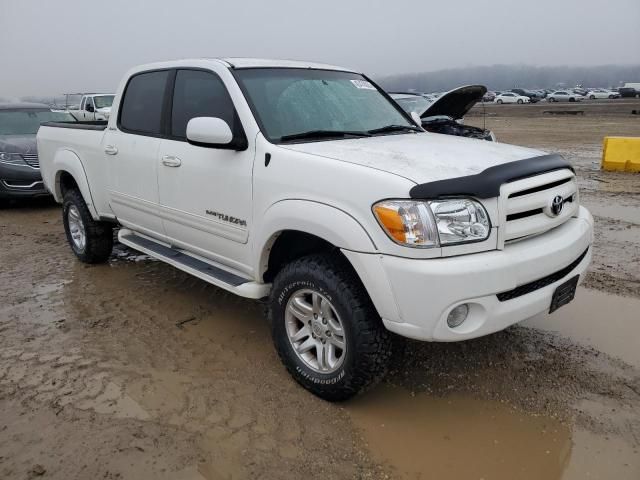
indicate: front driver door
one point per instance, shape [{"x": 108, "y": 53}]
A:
[{"x": 205, "y": 193}]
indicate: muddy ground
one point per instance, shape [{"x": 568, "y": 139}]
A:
[{"x": 134, "y": 370}]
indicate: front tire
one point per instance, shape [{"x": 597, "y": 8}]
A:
[
  {"x": 520, "y": 101},
  {"x": 90, "y": 240},
  {"x": 593, "y": 97},
  {"x": 499, "y": 101},
  {"x": 326, "y": 329}
]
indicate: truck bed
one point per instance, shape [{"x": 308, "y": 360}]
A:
[
  {"x": 86, "y": 125},
  {"x": 76, "y": 148}
]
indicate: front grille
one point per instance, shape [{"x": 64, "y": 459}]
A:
[
  {"x": 31, "y": 159},
  {"x": 526, "y": 203},
  {"x": 541, "y": 282}
]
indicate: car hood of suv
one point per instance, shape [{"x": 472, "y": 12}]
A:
[
  {"x": 18, "y": 143},
  {"x": 419, "y": 157},
  {"x": 456, "y": 103}
]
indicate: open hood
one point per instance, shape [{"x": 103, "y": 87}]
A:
[{"x": 456, "y": 103}]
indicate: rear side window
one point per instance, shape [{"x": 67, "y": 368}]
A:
[
  {"x": 199, "y": 94},
  {"x": 141, "y": 109}
]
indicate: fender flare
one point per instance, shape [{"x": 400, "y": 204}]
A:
[
  {"x": 66, "y": 161},
  {"x": 324, "y": 221}
]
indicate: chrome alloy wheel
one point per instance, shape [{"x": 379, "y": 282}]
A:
[
  {"x": 76, "y": 228},
  {"x": 315, "y": 331}
]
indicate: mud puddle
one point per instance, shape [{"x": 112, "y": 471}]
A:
[
  {"x": 420, "y": 436},
  {"x": 610, "y": 323},
  {"x": 623, "y": 213}
]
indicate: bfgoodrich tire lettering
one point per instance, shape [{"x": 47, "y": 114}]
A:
[
  {"x": 367, "y": 342},
  {"x": 97, "y": 236}
]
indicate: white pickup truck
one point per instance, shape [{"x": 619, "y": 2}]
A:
[
  {"x": 93, "y": 107},
  {"x": 306, "y": 186}
]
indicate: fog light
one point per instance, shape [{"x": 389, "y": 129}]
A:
[{"x": 458, "y": 315}]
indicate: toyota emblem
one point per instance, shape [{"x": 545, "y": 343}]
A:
[{"x": 556, "y": 205}]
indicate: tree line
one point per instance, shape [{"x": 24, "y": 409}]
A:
[{"x": 502, "y": 77}]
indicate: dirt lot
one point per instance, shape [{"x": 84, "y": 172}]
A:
[{"x": 134, "y": 370}]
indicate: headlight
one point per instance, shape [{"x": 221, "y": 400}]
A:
[
  {"x": 407, "y": 222},
  {"x": 430, "y": 224},
  {"x": 460, "y": 220},
  {"x": 11, "y": 159}
]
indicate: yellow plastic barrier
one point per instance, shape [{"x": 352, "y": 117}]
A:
[{"x": 621, "y": 154}]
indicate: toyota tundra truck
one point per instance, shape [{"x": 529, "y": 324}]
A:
[{"x": 307, "y": 187}]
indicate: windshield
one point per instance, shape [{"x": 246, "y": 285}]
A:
[
  {"x": 103, "y": 101},
  {"x": 27, "y": 121},
  {"x": 412, "y": 103},
  {"x": 292, "y": 101}
]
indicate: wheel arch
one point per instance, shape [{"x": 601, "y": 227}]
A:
[
  {"x": 69, "y": 173},
  {"x": 297, "y": 228},
  {"x": 300, "y": 227}
]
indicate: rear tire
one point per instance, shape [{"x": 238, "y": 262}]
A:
[
  {"x": 318, "y": 303},
  {"x": 552, "y": 100},
  {"x": 499, "y": 101},
  {"x": 90, "y": 240},
  {"x": 593, "y": 97}
]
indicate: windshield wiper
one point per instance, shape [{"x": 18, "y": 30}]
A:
[
  {"x": 395, "y": 128},
  {"x": 311, "y": 134}
]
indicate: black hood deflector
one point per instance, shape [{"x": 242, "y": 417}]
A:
[{"x": 486, "y": 184}]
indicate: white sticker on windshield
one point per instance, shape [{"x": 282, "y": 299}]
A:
[{"x": 363, "y": 84}]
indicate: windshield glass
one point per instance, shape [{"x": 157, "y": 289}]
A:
[
  {"x": 103, "y": 101},
  {"x": 412, "y": 103},
  {"x": 27, "y": 121},
  {"x": 290, "y": 101}
]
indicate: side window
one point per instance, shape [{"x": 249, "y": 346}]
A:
[
  {"x": 199, "y": 94},
  {"x": 89, "y": 102},
  {"x": 141, "y": 108}
]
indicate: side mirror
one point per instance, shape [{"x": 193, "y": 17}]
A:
[
  {"x": 209, "y": 132},
  {"x": 89, "y": 108}
]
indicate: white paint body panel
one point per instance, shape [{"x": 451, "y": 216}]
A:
[{"x": 324, "y": 188}]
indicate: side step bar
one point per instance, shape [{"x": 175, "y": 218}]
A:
[{"x": 204, "y": 270}]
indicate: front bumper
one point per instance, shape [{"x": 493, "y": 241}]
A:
[
  {"x": 425, "y": 291},
  {"x": 21, "y": 182}
]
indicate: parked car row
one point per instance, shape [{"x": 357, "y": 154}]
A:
[{"x": 520, "y": 95}]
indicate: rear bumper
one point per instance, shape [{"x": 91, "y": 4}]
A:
[{"x": 425, "y": 291}]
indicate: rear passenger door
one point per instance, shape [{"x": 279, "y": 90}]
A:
[
  {"x": 205, "y": 193},
  {"x": 132, "y": 152}
]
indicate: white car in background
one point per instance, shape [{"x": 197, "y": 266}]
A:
[
  {"x": 510, "y": 97},
  {"x": 564, "y": 96},
  {"x": 601, "y": 93}
]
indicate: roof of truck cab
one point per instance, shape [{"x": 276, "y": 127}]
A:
[
  {"x": 241, "y": 62},
  {"x": 235, "y": 63}
]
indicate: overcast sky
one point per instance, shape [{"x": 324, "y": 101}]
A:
[{"x": 51, "y": 47}]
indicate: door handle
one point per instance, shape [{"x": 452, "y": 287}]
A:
[
  {"x": 110, "y": 150},
  {"x": 171, "y": 161}
]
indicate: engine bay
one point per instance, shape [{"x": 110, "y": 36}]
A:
[{"x": 448, "y": 126}]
